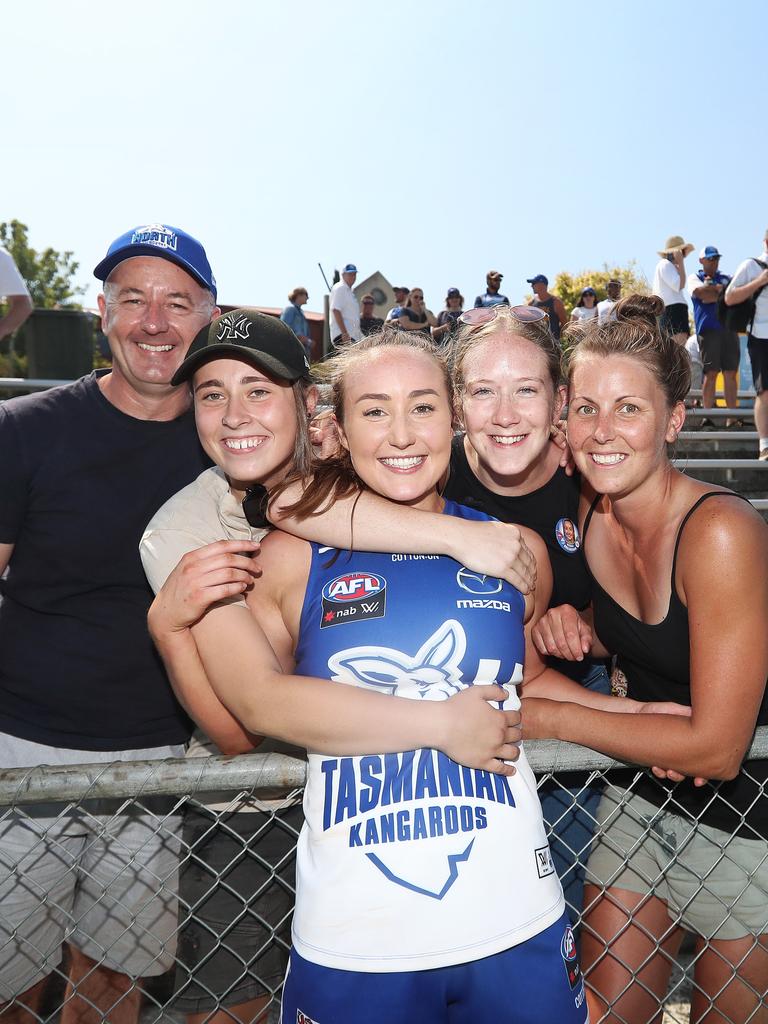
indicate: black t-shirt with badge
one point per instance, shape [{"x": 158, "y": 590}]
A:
[{"x": 552, "y": 511}]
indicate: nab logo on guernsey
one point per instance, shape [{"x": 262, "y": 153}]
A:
[{"x": 354, "y": 597}]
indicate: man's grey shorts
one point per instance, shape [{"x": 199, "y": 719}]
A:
[
  {"x": 101, "y": 875},
  {"x": 713, "y": 884}
]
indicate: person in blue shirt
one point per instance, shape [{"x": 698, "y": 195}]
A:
[
  {"x": 719, "y": 347},
  {"x": 293, "y": 315},
  {"x": 492, "y": 296}
]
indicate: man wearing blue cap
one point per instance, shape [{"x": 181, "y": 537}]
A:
[
  {"x": 719, "y": 348},
  {"x": 84, "y": 468},
  {"x": 543, "y": 300},
  {"x": 344, "y": 309}
]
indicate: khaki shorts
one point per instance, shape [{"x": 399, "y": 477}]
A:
[
  {"x": 713, "y": 884},
  {"x": 102, "y": 875}
]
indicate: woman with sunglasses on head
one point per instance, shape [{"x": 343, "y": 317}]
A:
[
  {"x": 680, "y": 595},
  {"x": 506, "y": 370},
  {"x": 586, "y": 307},
  {"x": 252, "y": 398}
]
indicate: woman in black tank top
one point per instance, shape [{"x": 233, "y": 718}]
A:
[{"x": 680, "y": 574}]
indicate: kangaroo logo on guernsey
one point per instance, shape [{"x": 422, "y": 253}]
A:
[
  {"x": 354, "y": 597},
  {"x": 393, "y": 800}
]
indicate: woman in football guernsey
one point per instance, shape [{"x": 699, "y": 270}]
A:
[
  {"x": 425, "y": 890},
  {"x": 680, "y": 595},
  {"x": 508, "y": 393}
]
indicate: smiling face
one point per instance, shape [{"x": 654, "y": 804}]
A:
[
  {"x": 619, "y": 422},
  {"x": 151, "y": 311},
  {"x": 508, "y": 407},
  {"x": 398, "y": 425},
  {"x": 246, "y": 420}
]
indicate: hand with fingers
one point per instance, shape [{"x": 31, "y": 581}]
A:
[
  {"x": 202, "y": 578},
  {"x": 562, "y": 632},
  {"x": 558, "y": 435},
  {"x": 498, "y": 549},
  {"x": 478, "y": 735}
]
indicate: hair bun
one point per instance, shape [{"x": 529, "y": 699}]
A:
[{"x": 646, "y": 308}]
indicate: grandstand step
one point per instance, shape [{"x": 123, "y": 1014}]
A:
[{"x": 718, "y": 435}]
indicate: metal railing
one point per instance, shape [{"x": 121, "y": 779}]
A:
[{"x": 224, "y": 940}]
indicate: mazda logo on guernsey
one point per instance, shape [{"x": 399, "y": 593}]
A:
[{"x": 477, "y": 583}]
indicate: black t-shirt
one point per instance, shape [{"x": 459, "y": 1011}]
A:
[
  {"x": 80, "y": 482},
  {"x": 552, "y": 511}
]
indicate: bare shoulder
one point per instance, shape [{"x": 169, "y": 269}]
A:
[
  {"x": 726, "y": 539},
  {"x": 284, "y": 562}
]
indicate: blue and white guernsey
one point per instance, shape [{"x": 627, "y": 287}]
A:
[{"x": 409, "y": 861}]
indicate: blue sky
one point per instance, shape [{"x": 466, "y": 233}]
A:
[{"x": 431, "y": 140}]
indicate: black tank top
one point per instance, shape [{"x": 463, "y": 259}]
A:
[
  {"x": 552, "y": 511},
  {"x": 656, "y": 662},
  {"x": 554, "y": 320}
]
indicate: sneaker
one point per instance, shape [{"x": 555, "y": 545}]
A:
[
  {"x": 708, "y": 424},
  {"x": 735, "y": 425},
  {"x": 763, "y": 456}
]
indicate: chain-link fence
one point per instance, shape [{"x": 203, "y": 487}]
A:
[{"x": 174, "y": 881}]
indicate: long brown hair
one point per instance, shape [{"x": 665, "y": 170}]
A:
[{"x": 335, "y": 477}]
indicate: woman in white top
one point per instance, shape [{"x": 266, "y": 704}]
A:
[
  {"x": 669, "y": 285},
  {"x": 586, "y": 307}
]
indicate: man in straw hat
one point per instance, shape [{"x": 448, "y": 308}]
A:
[{"x": 668, "y": 284}]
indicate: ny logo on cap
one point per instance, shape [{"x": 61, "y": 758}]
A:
[{"x": 233, "y": 329}]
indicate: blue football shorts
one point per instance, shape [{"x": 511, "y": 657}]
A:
[{"x": 535, "y": 982}]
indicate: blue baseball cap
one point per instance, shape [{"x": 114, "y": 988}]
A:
[
  {"x": 589, "y": 290},
  {"x": 164, "y": 241},
  {"x": 350, "y": 269},
  {"x": 709, "y": 252},
  {"x": 539, "y": 279}
]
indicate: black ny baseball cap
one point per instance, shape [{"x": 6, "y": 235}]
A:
[{"x": 249, "y": 335}]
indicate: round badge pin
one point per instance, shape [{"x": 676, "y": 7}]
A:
[{"x": 567, "y": 534}]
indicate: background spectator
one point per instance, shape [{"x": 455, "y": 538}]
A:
[
  {"x": 543, "y": 300},
  {"x": 749, "y": 282},
  {"x": 401, "y": 297},
  {"x": 586, "y": 307},
  {"x": 605, "y": 308},
  {"x": 344, "y": 309},
  {"x": 15, "y": 293},
  {"x": 448, "y": 317},
  {"x": 414, "y": 315},
  {"x": 369, "y": 323},
  {"x": 492, "y": 296},
  {"x": 293, "y": 315},
  {"x": 718, "y": 346},
  {"x": 669, "y": 285}
]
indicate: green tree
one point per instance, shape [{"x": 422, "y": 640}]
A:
[
  {"x": 568, "y": 287},
  {"x": 49, "y": 274}
]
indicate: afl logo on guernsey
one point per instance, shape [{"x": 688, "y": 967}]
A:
[
  {"x": 353, "y": 597},
  {"x": 567, "y": 534}
]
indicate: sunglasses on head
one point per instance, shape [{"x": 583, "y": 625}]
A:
[
  {"x": 255, "y": 505},
  {"x": 486, "y": 314}
]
